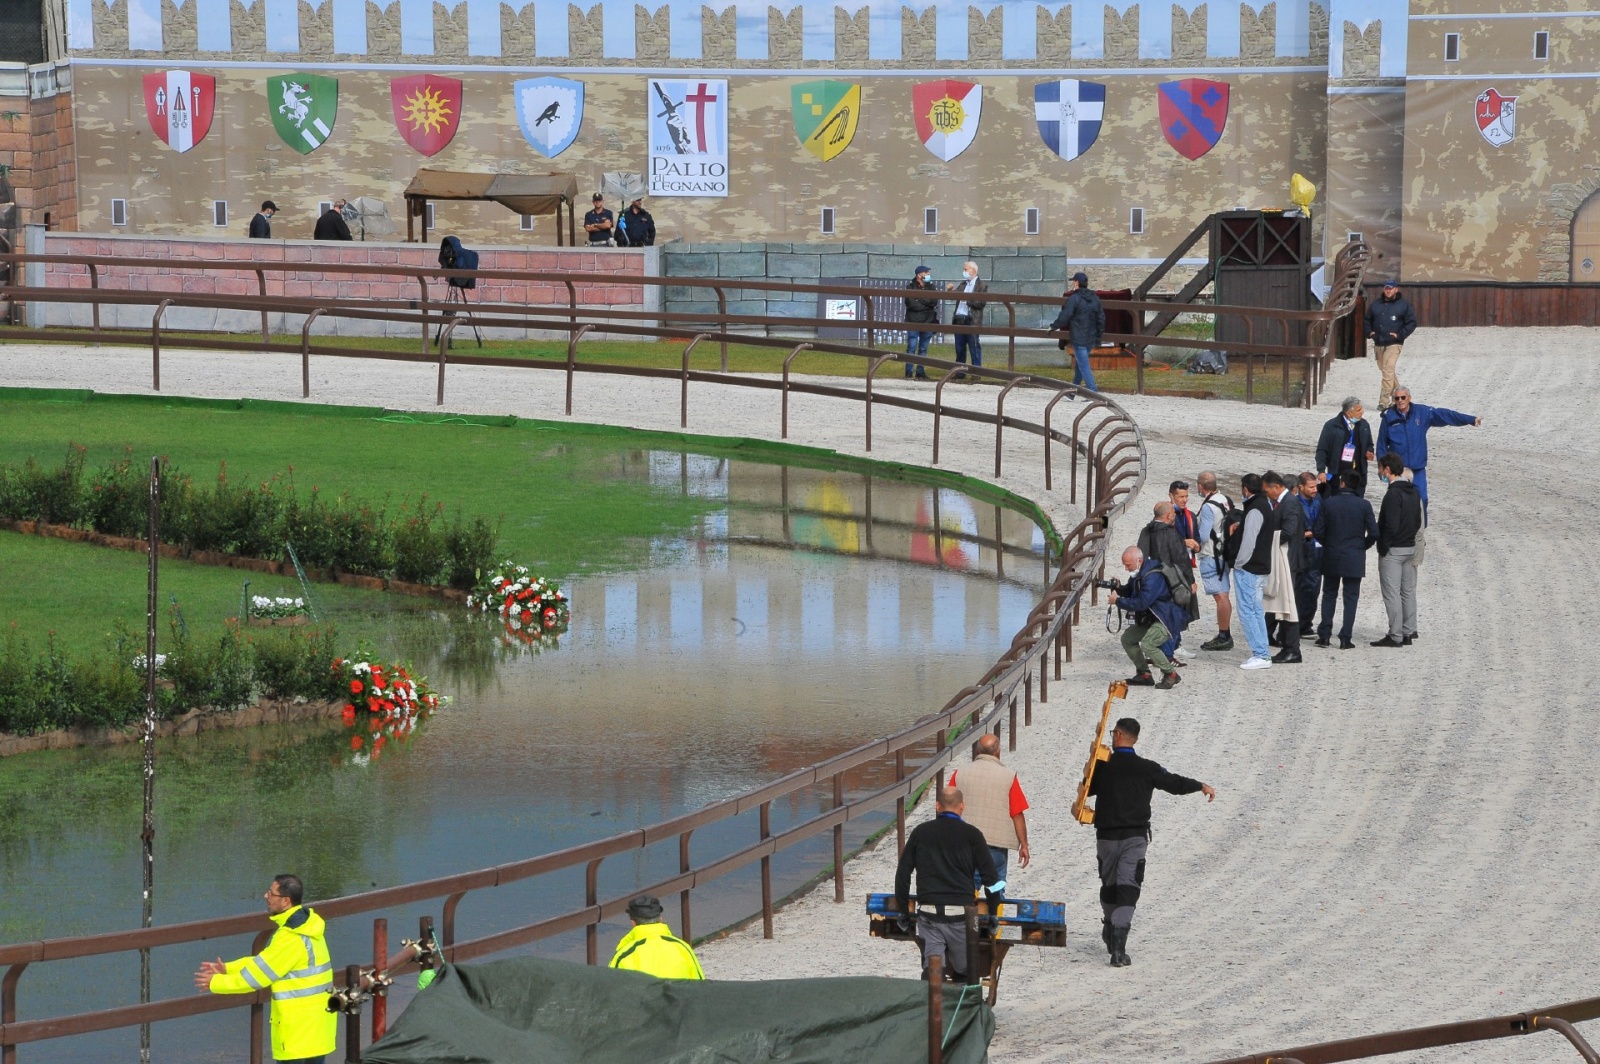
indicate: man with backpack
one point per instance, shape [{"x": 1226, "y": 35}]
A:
[
  {"x": 1161, "y": 540},
  {"x": 1148, "y": 597},
  {"x": 1214, "y": 509}
]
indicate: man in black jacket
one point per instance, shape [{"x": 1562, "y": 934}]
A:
[
  {"x": 637, "y": 227},
  {"x": 920, "y": 310},
  {"x": 331, "y": 225},
  {"x": 1084, "y": 318},
  {"x": 1347, "y": 530},
  {"x": 1251, "y": 565},
  {"x": 1345, "y": 446},
  {"x": 1123, "y": 785},
  {"x": 948, "y": 855},
  {"x": 1399, "y": 521},
  {"x": 1161, "y": 540},
  {"x": 1390, "y": 322},
  {"x": 261, "y": 224}
]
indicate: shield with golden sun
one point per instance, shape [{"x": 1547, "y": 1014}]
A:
[{"x": 427, "y": 108}]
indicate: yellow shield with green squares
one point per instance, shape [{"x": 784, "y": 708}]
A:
[{"x": 825, "y": 115}]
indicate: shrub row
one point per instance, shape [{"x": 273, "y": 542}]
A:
[
  {"x": 225, "y": 671},
  {"x": 418, "y": 542}
]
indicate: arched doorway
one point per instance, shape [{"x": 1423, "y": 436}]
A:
[{"x": 1586, "y": 240}]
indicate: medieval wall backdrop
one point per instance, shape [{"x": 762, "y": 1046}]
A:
[{"x": 1460, "y": 159}]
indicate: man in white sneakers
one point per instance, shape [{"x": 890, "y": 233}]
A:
[
  {"x": 1214, "y": 507},
  {"x": 1250, "y": 568}
]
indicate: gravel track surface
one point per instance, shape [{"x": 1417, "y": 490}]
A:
[{"x": 1400, "y": 837}]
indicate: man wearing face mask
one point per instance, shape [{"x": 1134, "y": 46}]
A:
[
  {"x": 969, "y": 311},
  {"x": 1399, "y": 521}
]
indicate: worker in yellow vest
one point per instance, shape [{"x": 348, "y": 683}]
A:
[
  {"x": 296, "y": 966},
  {"x": 652, "y": 948}
]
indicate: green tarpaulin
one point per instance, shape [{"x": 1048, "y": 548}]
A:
[{"x": 529, "y": 1010}]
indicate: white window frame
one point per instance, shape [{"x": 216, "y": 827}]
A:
[
  {"x": 930, "y": 221},
  {"x": 219, "y": 213},
  {"x": 427, "y": 214},
  {"x": 1136, "y": 221},
  {"x": 526, "y": 223},
  {"x": 119, "y": 208},
  {"x": 827, "y": 223},
  {"x": 1030, "y": 222},
  {"x": 1354, "y": 238},
  {"x": 323, "y": 207},
  {"x": 1452, "y": 48},
  {"x": 1541, "y": 44}
]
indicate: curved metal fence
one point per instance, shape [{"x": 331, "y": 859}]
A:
[{"x": 1113, "y": 457}]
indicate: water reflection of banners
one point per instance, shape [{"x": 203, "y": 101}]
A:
[
  {"x": 949, "y": 512},
  {"x": 688, "y": 128},
  {"x": 842, "y": 533}
]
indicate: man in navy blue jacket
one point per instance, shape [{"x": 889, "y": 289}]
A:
[
  {"x": 1347, "y": 529},
  {"x": 1156, "y": 619},
  {"x": 1404, "y": 431},
  {"x": 1390, "y": 323}
]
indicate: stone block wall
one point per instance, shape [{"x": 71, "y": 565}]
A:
[
  {"x": 166, "y": 274},
  {"x": 36, "y": 146}
]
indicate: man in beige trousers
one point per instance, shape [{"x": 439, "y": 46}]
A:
[{"x": 1390, "y": 322}]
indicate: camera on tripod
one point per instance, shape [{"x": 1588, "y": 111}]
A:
[{"x": 454, "y": 256}]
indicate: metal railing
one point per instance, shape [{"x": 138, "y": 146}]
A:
[
  {"x": 1113, "y": 457},
  {"x": 437, "y": 318},
  {"x": 1558, "y": 1018}
]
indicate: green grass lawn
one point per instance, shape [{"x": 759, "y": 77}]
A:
[
  {"x": 86, "y": 596},
  {"x": 566, "y": 499}
]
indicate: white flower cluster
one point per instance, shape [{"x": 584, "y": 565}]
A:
[
  {"x": 262, "y": 606},
  {"x": 139, "y": 660}
]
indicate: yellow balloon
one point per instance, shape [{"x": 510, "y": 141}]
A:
[{"x": 1301, "y": 193}]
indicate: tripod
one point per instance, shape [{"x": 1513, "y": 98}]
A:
[{"x": 457, "y": 294}]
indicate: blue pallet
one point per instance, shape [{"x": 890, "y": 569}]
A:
[{"x": 1012, "y": 911}]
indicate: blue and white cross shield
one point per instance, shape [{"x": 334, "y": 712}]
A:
[
  {"x": 549, "y": 110},
  {"x": 1069, "y": 113}
]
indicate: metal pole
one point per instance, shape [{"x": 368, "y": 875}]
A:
[{"x": 148, "y": 834}]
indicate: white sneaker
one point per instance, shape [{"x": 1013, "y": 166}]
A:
[
  {"x": 1182, "y": 654},
  {"x": 1257, "y": 663}
]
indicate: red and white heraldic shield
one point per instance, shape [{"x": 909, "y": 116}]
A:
[{"x": 180, "y": 106}]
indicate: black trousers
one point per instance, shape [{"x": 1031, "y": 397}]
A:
[
  {"x": 1352, "y": 593},
  {"x": 1307, "y": 584}
]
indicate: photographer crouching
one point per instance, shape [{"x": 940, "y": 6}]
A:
[{"x": 1149, "y": 640}]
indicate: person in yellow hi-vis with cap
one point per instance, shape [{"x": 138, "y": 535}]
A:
[
  {"x": 652, "y": 948},
  {"x": 296, "y": 965}
]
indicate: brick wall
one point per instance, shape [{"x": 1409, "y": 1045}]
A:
[
  {"x": 36, "y": 148},
  {"x": 167, "y": 273}
]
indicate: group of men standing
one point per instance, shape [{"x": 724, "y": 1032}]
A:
[{"x": 1289, "y": 543}]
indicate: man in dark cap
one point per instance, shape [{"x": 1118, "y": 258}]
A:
[
  {"x": 636, "y": 228},
  {"x": 651, "y": 947},
  {"x": 261, "y": 224},
  {"x": 599, "y": 223},
  {"x": 920, "y": 310},
  {"x": 1123, "y": 784},
  {"x": 1390, "y": 322},
  {"x": 1085, "y": 321}
]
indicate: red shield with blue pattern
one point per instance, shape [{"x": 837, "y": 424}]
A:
[{"x": 1193, "y": 112}]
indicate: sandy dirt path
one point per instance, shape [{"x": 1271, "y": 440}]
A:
[{"x": 1401, "y": 837}]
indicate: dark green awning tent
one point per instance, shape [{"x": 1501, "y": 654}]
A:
[{"x": 529, "y": 1009}]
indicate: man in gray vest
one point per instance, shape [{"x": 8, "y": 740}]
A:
[{"x": 995, "y": 803}]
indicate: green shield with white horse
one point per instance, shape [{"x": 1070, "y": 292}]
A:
[{"x": 303, "y": 107}]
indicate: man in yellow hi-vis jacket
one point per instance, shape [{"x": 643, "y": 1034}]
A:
[
  {"x": 652, "y": 948},
  {"x": 296, "y": 966}
]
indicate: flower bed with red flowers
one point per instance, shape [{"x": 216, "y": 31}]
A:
[
  {"x": 535, "y": 610},
  {"x": 386, "y": 704}
]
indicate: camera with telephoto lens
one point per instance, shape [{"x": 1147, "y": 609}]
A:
[{"x": 1109, "y": 585}]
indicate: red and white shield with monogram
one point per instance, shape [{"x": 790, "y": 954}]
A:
[
  {"x": 180, "y": 106},
  {"x": 1497, "y": 117}
]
